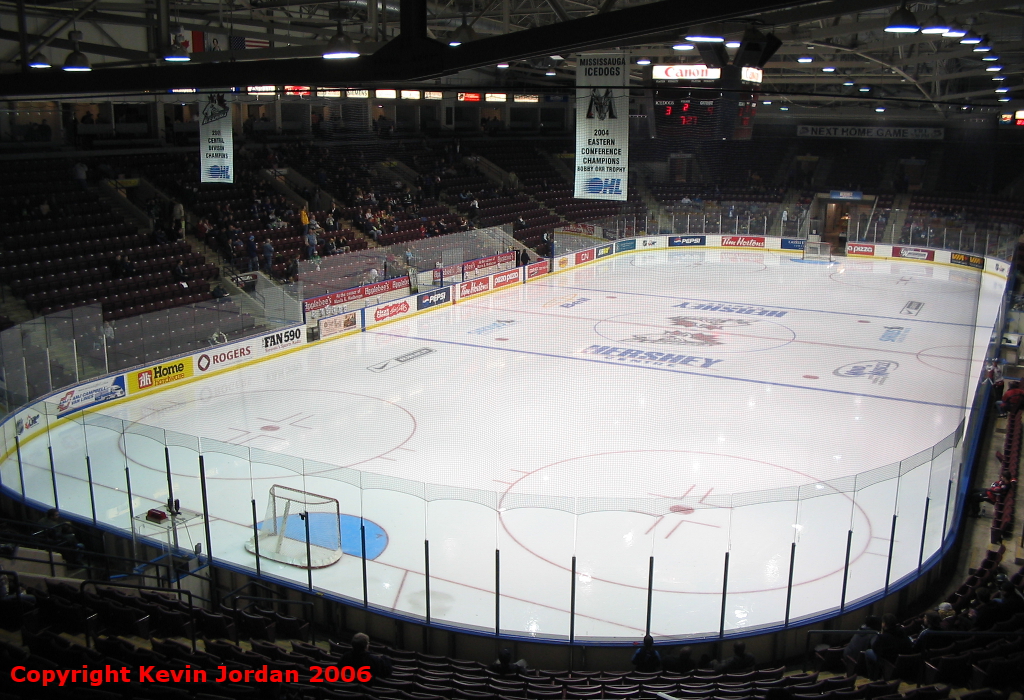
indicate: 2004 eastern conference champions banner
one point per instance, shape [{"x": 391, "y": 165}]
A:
[
  {"x": 216, "y": 143},
  {"x": 602, "y": 126}
]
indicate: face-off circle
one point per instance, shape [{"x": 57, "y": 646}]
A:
[
  {"x": 684, "y": 329},
  {"x": 674, "y": 504}
]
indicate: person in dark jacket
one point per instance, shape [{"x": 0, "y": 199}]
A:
[
  {"x": 886, "y": 646},
  {"x": 504, "y": 666},
  {"x": 740, "y": 661},
  {"x": 359, "y": 656},
  {"x": 647, "y": 659}
]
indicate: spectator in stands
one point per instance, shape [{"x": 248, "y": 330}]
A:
[
  {"x": 252, "y": 251},
  {"x": 862, "y": 640},
  {"x": 8, "y": 596},
  {"x": 886, "y": 646},
  {"x": 268, "y": 256},
  {"x": 181, "y": 275},
  {"x": 986, "y": 612},
  {"x": 945, "y": 611},
  {"x": 59, "y": 532},
  {"x": 740, "y": 661},
  {"x": 504, "y": 665},
  {"x": 927, "y": 640},
  {"x": 1010, "y": 599},
  {"x": 115, "y": 266},
  {"x": 646, "y": 659},
  {"x": 177, "y": 220},
  {"x": 304, "y": 220},
  {"x": 127, "y": 266},
  {"x": 291, "y": 272},
  {"x": 80, "y": 174},
  {"x": 203, "y": 228},
  {"x": 331, "y": 247},
  {"x": 359, "y": 656},
  {"x": 993, "y": 494},
  {"x": 1011, "y": 401},
  {"x": 682, "y": 663}
]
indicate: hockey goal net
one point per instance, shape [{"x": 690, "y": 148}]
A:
[
  {"x": 282, "y": 536},
  {"x": 818, "y": 250}
]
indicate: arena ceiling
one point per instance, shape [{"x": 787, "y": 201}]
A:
[{"x": 406, "y": 41}]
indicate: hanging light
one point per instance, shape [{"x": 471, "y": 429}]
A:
[
  {"x": 682, "y": 45},
  {"x": 176, "y": 54},
  {"x": 994, "y": 69},
  {"x": 76, "y": 61},
  {"x": 903, "y": 21},
  {"x": 1002, "y": 89},
  {"x": 955, "y": 31},
  {"x": 848, "y": 83},
  {"x": 502, "y": 65},
  {"x": 990, "y": 57},
  {"x": 643, "y": 61},
  {"x": 38, "y": 61},
  {"x": 828, "y": 69},
  {"x": 935, "y": 24},
  {"x": 865, "y": 89},
  {"x": 970, "y": 38},
  {"x": 341, "y": 46},
  {"x": 733, "y": 44},
  {"x": 705, "y": 34},
  {"x": 983, "y": 47},
  {"x": 805, "y": 59},
  {"x": 462, "y": 34},
  {"x": 879, "y": 109}
]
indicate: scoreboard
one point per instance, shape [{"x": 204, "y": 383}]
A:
[{"x": 703, "y": 116}]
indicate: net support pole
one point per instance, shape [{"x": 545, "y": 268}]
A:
[
  {"x": 170, "y": 500},
  {"x": 924, "y": 532},
  {"x": 53, "y": 476},
  {"x": 206, "y": 525},
  {"x": 309, "y": 552},
  {"x": 572, "y": 611},
  {"x": 21, "y": 468},
  {"x": 650, "y": 593},
  {"x": 362, "y": 545},
  {"x": 945, "y": 520},
  {"x": 789, "y": 585},
  {"x": 892, "y": 542},
  {"x": 725, "y": 589},
  {"x": 92, "y": 492},
  {"x": 131, "y": 508},
  {"x": 256, "y": 536},
  {"x": 846, "y": 570},
  {"x": 497, "y": 592},
  {"x": 426, "y": 572}
]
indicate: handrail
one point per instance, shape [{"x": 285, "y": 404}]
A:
[{"x": 191, "y": 602}]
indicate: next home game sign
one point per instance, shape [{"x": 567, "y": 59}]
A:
[{"x": 602, "y": 126}]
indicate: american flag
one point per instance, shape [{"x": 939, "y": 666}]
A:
[{"x": 238, "y": 43}]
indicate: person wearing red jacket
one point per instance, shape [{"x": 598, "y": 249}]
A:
[{"x": 1012, "y": 400}]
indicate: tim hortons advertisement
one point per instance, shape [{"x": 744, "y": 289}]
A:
[
  {"x": 743, "y": 241},
  {"x": 504, "y": 279},
  {"x": 584, "y": 256},
  {"x": 860, "y": 249},
  {"x": 913, "y": 253},
  {"x": 342, "y": 323},
  {"x": 474, "y": 287}
]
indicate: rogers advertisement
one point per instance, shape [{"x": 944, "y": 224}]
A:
[
  {"x": 913, "y": 253},
  {"x": 743, "y": 241},
  {"x": 860, "y": 249},
  {"x": 369, "y": 290},
  {"x": 537, "y": 269}
]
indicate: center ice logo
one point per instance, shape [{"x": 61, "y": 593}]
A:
[{"x": 701, "y": 332}]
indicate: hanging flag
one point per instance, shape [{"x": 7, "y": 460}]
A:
[
  {"x": 239, "y": 43},
  {"x": 198, "y": 42},
  {"x": 216, "y": 143},
  {"x": 602, "y": 126}
]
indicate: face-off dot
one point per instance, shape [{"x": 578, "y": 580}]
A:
[
  {"x": 863, "y": 321},
  {"x": 270, "y": 428},
  {"x": 810, "y": 376},
  {"x": 685, "y": 510}
]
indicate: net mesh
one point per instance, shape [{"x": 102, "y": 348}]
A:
[
  {"x": 817, "y": 250},
  {"x": 282, "y": 537}
]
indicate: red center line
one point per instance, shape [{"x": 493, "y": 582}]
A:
[{"x": 726, "y": 333}]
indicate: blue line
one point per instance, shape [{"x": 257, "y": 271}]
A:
[
  {"x": 668, "y": 369},
  {"x": 747, "y": 303}
]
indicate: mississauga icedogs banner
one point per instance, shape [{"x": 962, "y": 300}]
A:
[{"x": 602, "y": 126}]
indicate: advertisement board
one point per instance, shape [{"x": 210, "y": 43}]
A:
[
  {"x": 793, "y": 243},
  {"x": 467, "y": 289},
  {"x": 675, "y": 241},
  {"x": 967, "y": 260},
  {"x": 435, "y": 298},
  {"x": 342, "y": 323},
  {"x": 160, "y": 375},
  {"x": 538, "y": 269},
  {"x": 230, "y": 354},
  {"x": 91, "y": 394},
  {"x": 584, "y": 256},
  {"x": 320, "y": 307},
  {"x": 912, "y": 253},
  {"x": 860, "y": 248},
  {"x": 507, "y": 278},
  {"x": 743, "y": 241},
  {"x": 390, "y": 311}
]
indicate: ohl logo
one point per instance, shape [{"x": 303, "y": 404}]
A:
[{"x": 596, "y": 185}]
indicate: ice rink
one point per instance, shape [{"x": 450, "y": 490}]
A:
[{"x": 675, "y": 404}]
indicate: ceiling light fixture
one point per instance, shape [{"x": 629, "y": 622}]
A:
[
  {"x": 76, "y": 61},
  {"x": 955, "y": 31},
  {"x": 340, "y": 45},
  {"x": 879, "y": 109},
  {"x": 970, "y": 38},
  {"x": 994, "y": 69},
  {"x": 1002, "y": 89},
  {"x": 38, "y": 61},
  {"x": 865, "y": 89},
  {"x": 903, "y": 21},
  {"x": 705, "y": 34},
  {"x": 828, "y": 69},
  {"x": 176, "y": 53},
  {"x": 848, "y": 83},
  {"x": 644, "y": 61},
  {"x": 990, "y": 57},
  {"x": 935, "y": 24},
  {"x": 502, "y": 65},
  {"x": 732, "y": 44}
]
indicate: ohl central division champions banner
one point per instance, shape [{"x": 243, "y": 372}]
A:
[
  {"x": 602, "y": 126},
  {"x": 216, "y": 144}
]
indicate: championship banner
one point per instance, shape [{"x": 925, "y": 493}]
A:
[
  {"x": 602, "y": 126},
  {"x": 216, "y": 142}
]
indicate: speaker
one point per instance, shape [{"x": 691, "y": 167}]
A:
[
  {"x": 713, "y": 55},
  {"x": 756, "y": 49}
]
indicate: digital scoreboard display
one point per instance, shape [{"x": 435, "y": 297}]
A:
[{"x": 680, "y": 114}]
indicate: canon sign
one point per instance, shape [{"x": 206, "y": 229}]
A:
[{"x": 694, "y": 71}]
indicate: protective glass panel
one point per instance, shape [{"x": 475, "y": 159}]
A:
[
  {"x": 910, "y": 509},
  {"x": 396, "y": 578}
]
